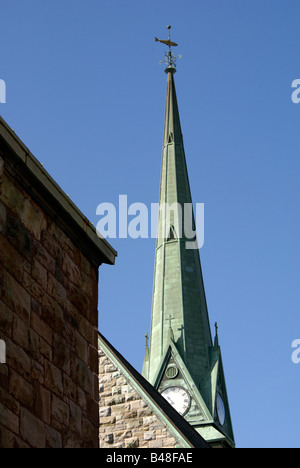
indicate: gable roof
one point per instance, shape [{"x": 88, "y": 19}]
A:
[
  {"x": 181, "y": 429},
  {"x": 173, "y": 352}
]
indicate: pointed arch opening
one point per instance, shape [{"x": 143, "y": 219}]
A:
[{"x": 172, "y": 234}]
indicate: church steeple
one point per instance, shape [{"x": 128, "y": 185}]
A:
[
  {"x": 178, "y": 284},
  {"x": 182, "y": 354}
]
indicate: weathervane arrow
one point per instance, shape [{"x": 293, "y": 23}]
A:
[
  {"x": 168, "y": 42},
  {"x": 170, "y": 58}
]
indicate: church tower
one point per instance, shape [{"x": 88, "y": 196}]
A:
[{"x": 183, "y": 361}]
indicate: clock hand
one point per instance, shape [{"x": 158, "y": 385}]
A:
[{"x": 170, "y": 400}]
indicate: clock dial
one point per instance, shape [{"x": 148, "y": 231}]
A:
[
  {"x": 220, "y": 409},
  {"x": 178, "y": 398}
]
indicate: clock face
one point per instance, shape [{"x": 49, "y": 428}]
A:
[
  {"x": 178, "y": 398},
  {"x": 220, "y": 409}
]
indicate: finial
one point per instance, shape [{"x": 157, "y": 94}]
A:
[
  {"x": 216, "y": 343},
  {"x": 170, "y": 57},
  {"x": 147, "y": 338}
]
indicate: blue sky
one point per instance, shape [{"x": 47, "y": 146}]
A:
[{"x": 86, "y": 94}]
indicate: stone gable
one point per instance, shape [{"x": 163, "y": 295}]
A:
[{"x": 126, "y": 419}]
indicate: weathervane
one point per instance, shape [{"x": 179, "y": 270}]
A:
[{"x": 170, "y": 57}]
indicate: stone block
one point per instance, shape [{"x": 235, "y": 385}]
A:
[
  {"x": 155, "y": 444},
  {"x": 71, "y": 270},
  {"x": 45, "y": 349},
  {"x": 9, "y": 419},
  {"x": 93, "y": 359},
  {"x": 4, "y": 380},
  {"x": 21, "y": 390},
  {"x": 12, "y": 196},
  {"x": 53, "y": 379},
  {"x": 105, "y": 411},
  {"x": 43, "y": 257},
  {"x": 149, "y": 435},
  {"x": 11, "y": 259},
  {"x": 82, "y": 375},
  {"x": 37, "y": 372},
  {"x": 75, "y": 417},
  {"x": 9, "y": 402},
  {"x": 92, "y": 410},
  {"x": 82, "y": 349},
  {"x": 120, "y": 436},
  {"x": 6, "y": 320},
  {"x": 169, "y": 442},
  {"x": 70, "y": 388},
  {"x": 86, "y": 329},
  {"x": 52, "y": 314},
  {"x": 71, "y": 440},
  {"x": 27, "y": 338},
  {"x": 53, "y": 438},
  {"x": 32, "y": 287},
  {"x": 90, "y": 437},
  {"x": 63, "y": 240},
  {"x": 42, "y": 403},
  {"x": 85, "y": 267},
  {"x": 41, "y": 328},
  {"x": 10, "y": 440},
  {"x": 18, "y": 236},
  {"x": 16, "y": 297},
  {"x": 2, "y": 218},
  {"x": 149, "y": 420},
  {"x": 81, "y": 398},
  {"x": 79, "y": 299},
  {"x": 115, "y": 400},
  {"x": 39, "y": 274},
  {"x": 61, "y": 354},
  {"x": 33, "y": 218},
  {"x": 110, "y": 368},
  {"x": 51, "y": 245},
  {"x": 144, "y": 412},
  {"x": 60, "y": 414},
  {"x": 18, "y": 360},
  {"x": 132, "y": 443},
  {"x": 57, "y": 290},
  {"x": 108, "y": 438},
  {"x": 32, "y": 429}
]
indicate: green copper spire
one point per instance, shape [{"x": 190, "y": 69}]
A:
[
  {"x": 182, "y": 361},
  {"x": 178, "y": 285}
]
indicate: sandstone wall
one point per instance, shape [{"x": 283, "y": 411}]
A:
[
  {"x": 49, "y": 322},
  {"x": 126, "y": 420}
]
